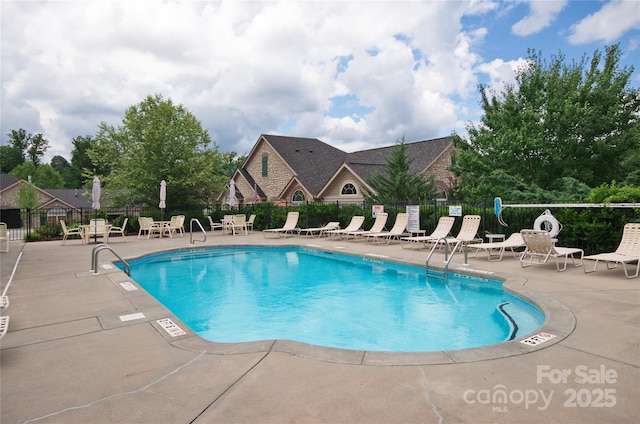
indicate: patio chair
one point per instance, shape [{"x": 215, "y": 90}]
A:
[
  {"x": 442, "y": 230},
  {"x": 239, "y": 224},
  {"x": 250, "y": 222},
  {"x": 175, "y": 226},
  {"x": 377, "y": 227},
  {"x": 398, "y": 230},
  {"x": 627, "y": 252},
  {"x": 215, "y": 225},
  {"x": 496, "y": 250},
  {"x": 67, "y": 232},
  {"x": 320, "y": 231},
  {"x": 289, "y": 227},
  {"x": 97, "y": 228},
  {"x": 539, "y": 245},
  {"x": 147, "y": 225},
  {"x": 4, "y": 302},
  {"x": 354, "y": 225},
  {"x": 120, "y": 230},
  {"x": 4, "y": 236}
]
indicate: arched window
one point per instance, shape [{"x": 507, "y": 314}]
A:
[
  {"x": 348, "y": 189},
  {"x": 298, "y": 196},
  {"x": 441, "y": 193}
]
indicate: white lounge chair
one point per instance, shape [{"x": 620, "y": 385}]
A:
[
  {"x": 627, "y": 252},
  {"x": 539, "y": 245},
  {"x": 442, "y": 230},
  {"x": 398, "y": 230},
  {"x": 496, "y": 250},
  {"x": 320, "y": 231},
  {"x": 377, "y": 227},
  {"x": 4, "y": 325},
  {"x": 354, "y": 225},
  {"x": 290, "y": 226},
  {"x": 67, "y": 232}
]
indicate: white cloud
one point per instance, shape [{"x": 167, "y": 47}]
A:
[
  {"x": 245, "y": 68},
  {"x": 501, "y": 73},
  {"x": 608, "y": 24},
  {"x": 541, "y": 15}
]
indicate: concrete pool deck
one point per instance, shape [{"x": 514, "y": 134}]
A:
[{"x": 78, "y": 350}]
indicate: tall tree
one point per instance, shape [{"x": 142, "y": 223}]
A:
[
  {"x": 38, "y": 146},
  {"x": 157, "y": 140},
  {"x": 82, "y": 169},
  {"x": 577, "y": 120},
  {"x": 10, "y": 157},
  {"x": 47, "y": 177},
  {"x": 397, "y": 182},
  {"x": 27, "y": 145}
]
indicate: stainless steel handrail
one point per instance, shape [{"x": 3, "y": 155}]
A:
[
  {"x": 447, "y": 258},
  {"x": 191, "y": 231},
  {"x": 94, "y": 259}
]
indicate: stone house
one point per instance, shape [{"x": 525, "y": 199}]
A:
[
  {"x": 295, "y": 169},
  {"x": 55, "y": 203}
]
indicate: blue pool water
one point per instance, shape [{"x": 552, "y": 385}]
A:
[{"x": 241, "y": 294}]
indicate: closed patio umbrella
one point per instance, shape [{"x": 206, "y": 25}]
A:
[
  {"x": 95, "y": 202},
  {"x": 95, "y": 194},
  {"x": 163, "y": 197}
]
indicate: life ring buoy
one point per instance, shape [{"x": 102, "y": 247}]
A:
[{"x": 551, "y": 224}]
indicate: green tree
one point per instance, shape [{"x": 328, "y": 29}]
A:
[
  {"x": 63, "y": 167},
  {"x": 27, "y": 197},
  {"x": 10, "y": 157},
  {"x": 27, "y": 145},
  {"x": 157, "y": 141},
  {"x": 82, "y": 169},
  {"x": 24, "y": 171},
  {"x": 38, "y": 146},
  {"x": 47, "y": 177},
  {"x": 397, "y": 182},
  {"x": 231, "y": 161},
  {"x": 577, "y": 120}
]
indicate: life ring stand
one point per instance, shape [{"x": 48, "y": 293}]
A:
[{"x": 551, "y": 224}]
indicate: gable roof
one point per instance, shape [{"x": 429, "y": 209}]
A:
[
  {"x": 7, "y": 180},
  {"x": 423, "y": 153},
  {"x": 312, "y": 161}
]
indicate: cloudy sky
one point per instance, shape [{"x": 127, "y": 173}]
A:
[{"x": 355, "y": 74}]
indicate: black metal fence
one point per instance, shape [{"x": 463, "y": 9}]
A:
[{"x": 592, "y": 228}]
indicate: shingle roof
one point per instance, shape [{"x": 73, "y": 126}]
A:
[
  {"x": 7, "y": 180},
  {"x": 423, "y": 153},
  {"x": 313, "y": 161}
]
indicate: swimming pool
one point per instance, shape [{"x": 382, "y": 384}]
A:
[{"x": 242, "y": 294}]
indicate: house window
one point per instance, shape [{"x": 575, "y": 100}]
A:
[
  {"x": 265, "y": 167},
  {"x": 348, "y": 189},
  {"x": 441, "y": 193},
  {"x": 298, "y": 196}
]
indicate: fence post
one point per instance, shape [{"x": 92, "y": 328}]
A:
[
  {"x": 435, "y": 213},
  {"x": 307, "y": 213}
]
